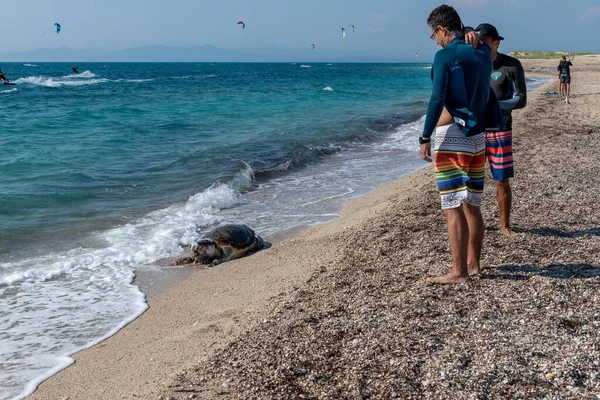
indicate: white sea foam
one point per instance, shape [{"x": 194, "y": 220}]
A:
[
  {"x": 305, "y": 66},
  {"x": 58, "y": 81},
  {"x": 328, "y": 89},
  {"x": 42, "y": 299},
  {"x": 30, "y": 65},
  {"x": 9, "y": 90},
  {"x": 405, "y": 136},
  {"x": 82, "y": 75}
]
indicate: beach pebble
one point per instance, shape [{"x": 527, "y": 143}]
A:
[{"x": 225, "y": 385}]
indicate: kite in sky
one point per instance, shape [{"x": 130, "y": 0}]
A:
[
  {"x": 353, "y": 28},
  {"x": 313, "y": 46},
  {"x": 343, "y": 32},
  {"x": 57, "y": 27},
  {"x": 242, "y": 24}
]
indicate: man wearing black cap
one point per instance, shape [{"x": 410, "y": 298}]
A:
[{"x": 508, "y": 84}]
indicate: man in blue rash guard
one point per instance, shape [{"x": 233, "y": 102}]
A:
[{"x": 461, "y": 88}]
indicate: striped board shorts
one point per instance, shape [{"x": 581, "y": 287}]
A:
[
  {"x": 459, "y": 166},
  {"x": 498, "y": 151}
]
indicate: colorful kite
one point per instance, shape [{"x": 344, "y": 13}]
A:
[
  {"x": 57, "y": 27},
  {"x": 242, "y": 24}
]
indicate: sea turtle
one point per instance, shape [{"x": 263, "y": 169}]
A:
[{"x": 224, "y": 243}]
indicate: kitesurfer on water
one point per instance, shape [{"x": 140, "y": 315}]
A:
[
  {"x": 75, "y": 69},
  {"x": 4, "y": 78}
]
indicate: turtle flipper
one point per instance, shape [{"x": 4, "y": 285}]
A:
[
  {"x": 184, "y": 261},
  {"x": 227, "y": 254}
]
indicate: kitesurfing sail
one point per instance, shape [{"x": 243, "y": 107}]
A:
[
  {"x": 343, "y": 32},
  {"x": 242, "y": 24},
  {"x": 313, "y": 46},
  {"x": 353, "y": 28},
  {"x": 57, "y": 27}
]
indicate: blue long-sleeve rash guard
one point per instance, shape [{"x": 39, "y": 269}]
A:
[{"x": 461, "y": 83}]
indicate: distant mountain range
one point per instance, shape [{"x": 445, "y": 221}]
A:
[{"x": 206, "y": 53}]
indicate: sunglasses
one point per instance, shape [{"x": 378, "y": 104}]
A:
[{"x": 432, "y": 37}]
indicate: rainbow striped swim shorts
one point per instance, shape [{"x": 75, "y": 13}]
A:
[
  {"x": 459, "y": 166},
  {"x": 498, "y": 151}
]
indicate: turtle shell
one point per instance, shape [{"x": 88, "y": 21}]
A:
[{"x": 239, "y": 237}]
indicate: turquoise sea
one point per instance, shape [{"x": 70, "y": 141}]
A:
[{"x": 106, "y": 171}]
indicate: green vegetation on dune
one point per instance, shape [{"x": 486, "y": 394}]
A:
[{"x": 544, "y": 54}]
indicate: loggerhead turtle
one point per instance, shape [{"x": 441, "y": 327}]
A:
[{"x": 224, "y": 243}]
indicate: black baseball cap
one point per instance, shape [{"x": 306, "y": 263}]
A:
[{"x": 488, "y": 30}]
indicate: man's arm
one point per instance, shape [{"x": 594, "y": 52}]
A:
[
  {"x": 521, "y": 85},
  {"x": 438, "y": 95}
]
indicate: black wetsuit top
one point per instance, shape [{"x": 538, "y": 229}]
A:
[
  {"x": 508, "y": 84},
  {"x": 564, "y": 68}
]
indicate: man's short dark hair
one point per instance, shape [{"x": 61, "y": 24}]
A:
[{"x": 445, "y": 16}]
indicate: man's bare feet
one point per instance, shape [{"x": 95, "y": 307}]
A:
[
  {"x": 506, "y": 230},
  {"x": 474, "y": 270},
  {"x": 448, "y": 279}
]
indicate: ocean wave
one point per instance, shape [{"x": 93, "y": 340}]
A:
[
  {"x": 30, "y": 65},
  {"x": 9, "y": 90},
  {"x": 405, "y": 136},
  {"x": 57, "y": 82},
  {"x": 131, "y": 80},
  {"x": 85, "y": 74},
  {"x": 328, "y": 89},
  {"x": 301, "y": 156},
  {"x": 305, "y": 66},
  {"x": 91, "y": 285},
  {"x": 206, "y": 76}
]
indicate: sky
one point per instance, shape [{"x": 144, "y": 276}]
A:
[{"x": 384, "y": 28}]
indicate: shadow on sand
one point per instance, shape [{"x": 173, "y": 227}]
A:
[
  {"x": 556, "y": 271},
  {"x": 558, "y": 232}
]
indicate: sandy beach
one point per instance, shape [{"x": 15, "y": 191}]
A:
[{"x": 343, "y": 310}]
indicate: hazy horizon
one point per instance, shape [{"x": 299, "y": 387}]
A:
[{"x": 386, "y": 29}]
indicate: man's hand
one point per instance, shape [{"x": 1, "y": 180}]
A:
[
  {"x": 425, "y": 150},
  {"x": 472, "y": 38}
]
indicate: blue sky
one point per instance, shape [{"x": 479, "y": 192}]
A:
[{"x": 392, "y": 28}]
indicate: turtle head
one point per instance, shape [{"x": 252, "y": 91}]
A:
[{"x": 205, "y": 251}]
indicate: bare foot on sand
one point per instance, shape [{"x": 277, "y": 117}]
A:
[
  {"x": 447, "y": 279},
  {"x": 474, "y": 270},
  {"x": 506, "y": 230}
]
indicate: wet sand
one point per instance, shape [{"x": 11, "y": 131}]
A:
[{"x": 343, "y": 311}]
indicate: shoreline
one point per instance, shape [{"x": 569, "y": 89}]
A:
[{"x": 188, "y": 324}]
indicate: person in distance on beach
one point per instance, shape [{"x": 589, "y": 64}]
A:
[
  {"x": 508, "y": 84},
  {"x": 461, "y": 89},
  {"x": 564, "y": 76}
]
